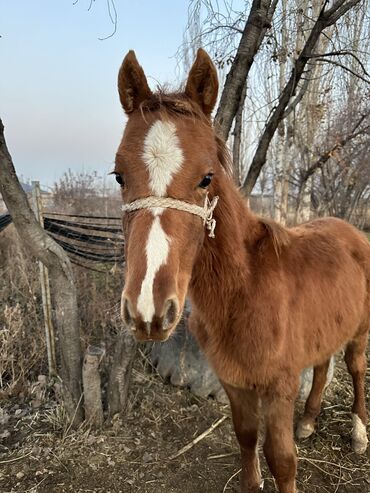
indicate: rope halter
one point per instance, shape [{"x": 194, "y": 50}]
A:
[{"x": 205, "y": 212}]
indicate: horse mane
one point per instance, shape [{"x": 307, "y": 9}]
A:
[
  {"x": 179, "y": 104},
  {"x": 276, "y": 233}
]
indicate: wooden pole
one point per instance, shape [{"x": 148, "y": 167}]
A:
[
  {"x": 45, "y": 287},
  {"x": 92, "y": 386}
]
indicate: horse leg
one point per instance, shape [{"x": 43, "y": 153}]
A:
[
  {"x": 279, "y": 447},
  {"x": 245, "y": 412},
  {"x": 355, "y": 358},
  {"x": 306, "y": 425}
]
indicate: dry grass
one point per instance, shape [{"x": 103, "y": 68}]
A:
[
  {"x": 22, "y": 345},
  {"x": 22, "y": 340},
  {"x": 133, "y": 454},
  {"x": 328, "y": 452}
]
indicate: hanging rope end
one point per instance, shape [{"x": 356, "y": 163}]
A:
[{"x": 209, "y": 207}]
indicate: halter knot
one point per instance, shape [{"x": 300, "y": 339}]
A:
[
  {"x": 205, "y": 212},
  {"x": 209, "y": 207}
]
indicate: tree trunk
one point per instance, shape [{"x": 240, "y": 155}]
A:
[
  {"x": 42, "y": 246},
  {"x": 237, "y": 133},
  {"x": 285, "y": 192},
  {"x": 282, "y": 135},
  {"x": 259, "y": 20},
  {"x": 120, "y": 373},
  {"x": 304, "y": 204}
]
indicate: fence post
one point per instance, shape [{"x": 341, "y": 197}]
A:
[{"x": 45, "y": 287}]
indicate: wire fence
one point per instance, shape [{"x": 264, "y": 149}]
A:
[{"x": 86, "y": 239}]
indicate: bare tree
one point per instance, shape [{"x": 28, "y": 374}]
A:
[
  {"x": 326, "y": 18},
  {"x": 340, "y": 174},
  {"x": 303, "y": 41}
]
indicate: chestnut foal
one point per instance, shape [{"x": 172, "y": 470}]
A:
[{"x": 267, "y": 301}]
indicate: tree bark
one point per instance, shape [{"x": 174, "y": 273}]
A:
[
  {"x": 42, "y": 246},
  {"x": 303, "y": 211},
  {"x": 237, "y": 133},
  {"x": 92, "y": 386},
  {"x": 324, "y": 20},
  {"x": 259, "y": 20},
  {"x": 120, "y": 373},
  {"x": 284, "y": 136}
]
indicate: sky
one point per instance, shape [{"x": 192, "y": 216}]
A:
[{"x": 58, "y": 83}]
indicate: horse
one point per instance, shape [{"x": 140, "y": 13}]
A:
[{"x": 267, "y": 300}]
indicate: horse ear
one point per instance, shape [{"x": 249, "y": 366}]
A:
[
  {"x": 202, "y": 84},
  {"x": 132, "y": 84}
]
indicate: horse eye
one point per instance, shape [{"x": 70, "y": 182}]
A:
[
  {"x": 206, "y": 181},
  {"x": 119, "y": 179}
]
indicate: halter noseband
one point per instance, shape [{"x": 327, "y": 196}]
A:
[{"x": 205, "y": 212}]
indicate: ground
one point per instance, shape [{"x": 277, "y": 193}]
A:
[{"x": 39, "y": 454}]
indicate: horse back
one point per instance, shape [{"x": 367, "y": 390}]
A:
[
  {"x": 337, "y": 239},
  {"x": 315, "y": 288}
]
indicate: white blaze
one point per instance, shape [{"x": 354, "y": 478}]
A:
[
  {"x": 163, "y": 157},
  {"x": 157, "y": 248}
]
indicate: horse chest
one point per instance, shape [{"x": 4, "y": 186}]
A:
[{"x": 244, "y": 362}]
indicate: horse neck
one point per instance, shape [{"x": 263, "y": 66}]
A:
[{"x": 221, "y": 269}]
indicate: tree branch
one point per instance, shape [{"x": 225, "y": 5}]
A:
[
  {"x": 332, "y": 62},
  {"x": 216, "y": 28},
  {"x": 338, "y": 53},
  {"x": 328, "y": 154},
  {"x": 259, "y": 159},
  {"x": 337, "y": 11}
]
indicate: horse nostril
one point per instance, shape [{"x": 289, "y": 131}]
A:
[
  {"x": 170, "y": 313},
  {"x": 127, "y": 317}
]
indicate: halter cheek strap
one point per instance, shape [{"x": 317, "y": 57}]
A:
[{"x": 205, "y": 212}]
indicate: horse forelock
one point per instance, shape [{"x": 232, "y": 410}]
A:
[{"x": 178, "y": 104}]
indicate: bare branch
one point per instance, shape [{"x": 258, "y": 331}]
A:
[
  {"x": 339, "y": 53},
  {"x": 332, "y": 62},
  {"x": 337, "y": 11},
  {"x": 216, "y": 28},
  {"x": 338, "y": 145},
  {"x": 112, "y": 13},
  {"x": 113, "y": 18}
]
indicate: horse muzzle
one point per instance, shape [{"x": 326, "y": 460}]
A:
[{"x": 159, "y": 328}]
